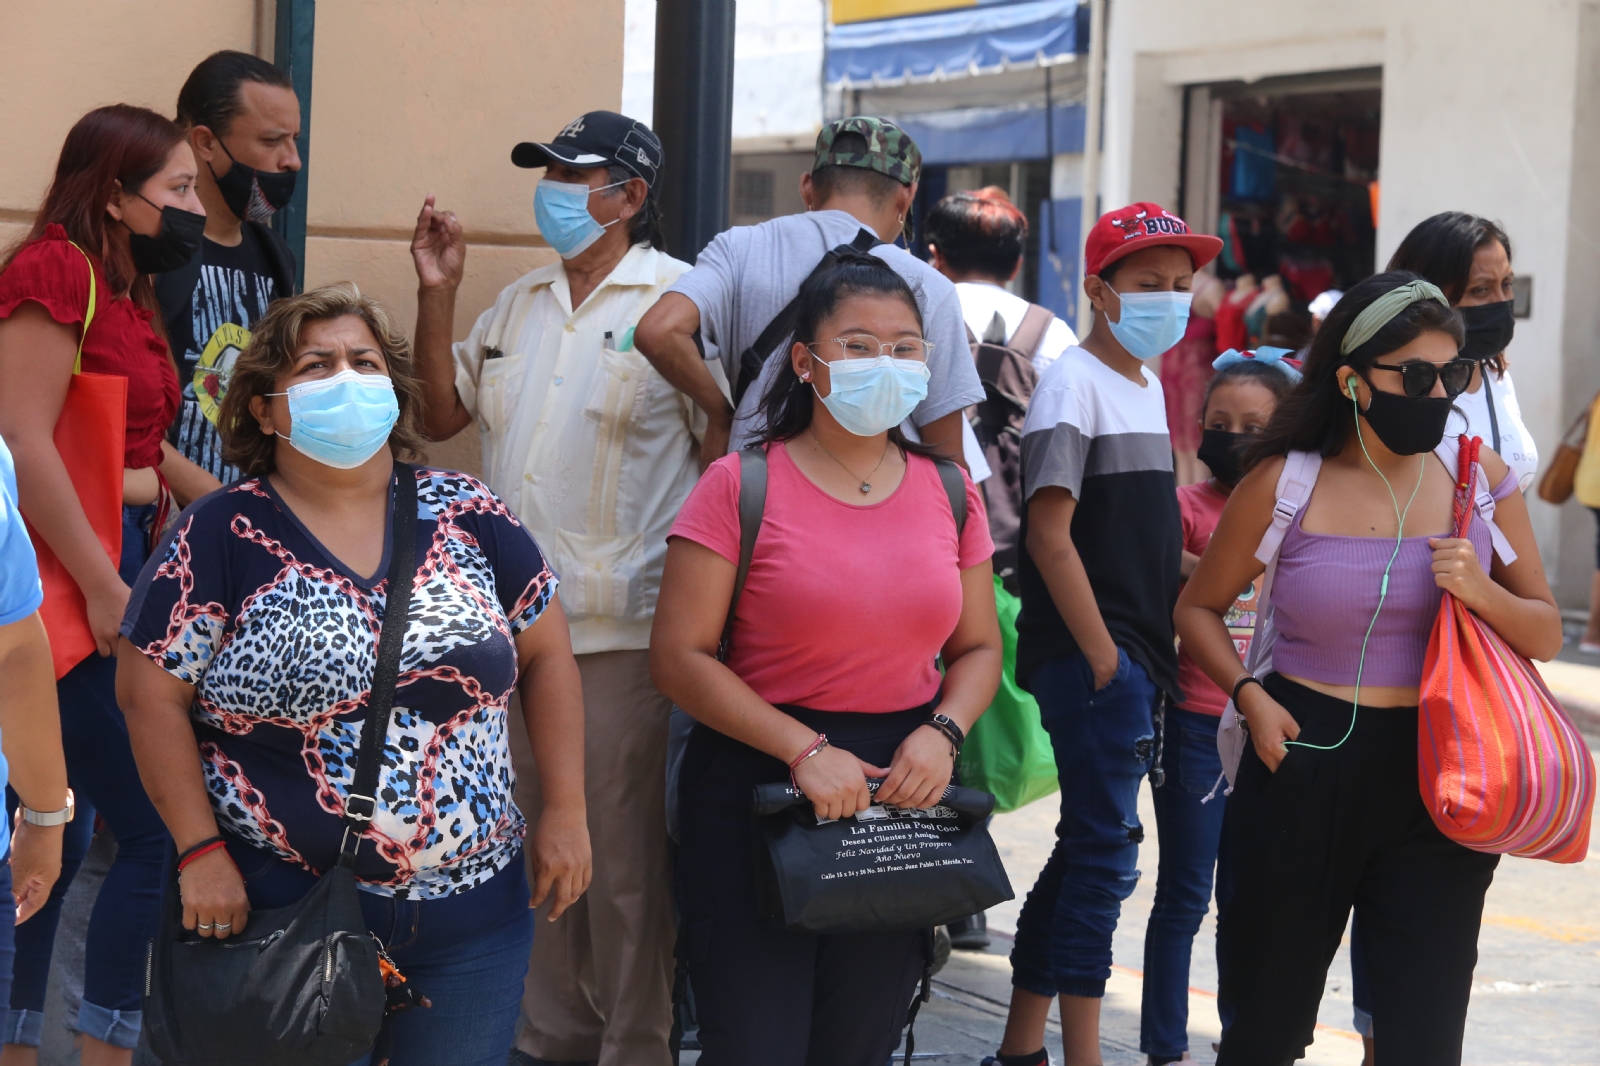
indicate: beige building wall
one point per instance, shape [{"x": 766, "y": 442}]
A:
[{"x": 408, "y": 97}]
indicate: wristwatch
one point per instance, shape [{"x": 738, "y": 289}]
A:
[{"x": 47, "y": 818}]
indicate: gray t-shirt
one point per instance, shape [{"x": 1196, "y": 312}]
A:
[{"x": 749, "y": 273}]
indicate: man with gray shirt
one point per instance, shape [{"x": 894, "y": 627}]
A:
[{"x": 860, "y": 188}]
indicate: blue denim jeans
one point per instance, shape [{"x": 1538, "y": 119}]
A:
[
  {"x": 468, "y": 953},
  {"x": 105, "y": 779},
  {"x": 1190, "y": 833},
  {"x": 1104, "y": 743}
]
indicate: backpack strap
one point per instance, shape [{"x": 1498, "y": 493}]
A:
[
  {"x": 1299, "y": 477},
  {"x": 1030, "y": 332},
  {"x": 280, "y": 258},
  {"x": 752, "y": 506},
  {"x": 753, "y": 358},
  {"x": 956, "y": 489},
  {"x": 1449, "y": 453}
]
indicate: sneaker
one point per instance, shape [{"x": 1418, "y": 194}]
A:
[{"x": 969, "y": 934}]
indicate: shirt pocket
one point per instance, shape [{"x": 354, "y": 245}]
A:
[
  {"x": 602, "y": 577},
  {"x": 614, "y": 391},
  {"x": 499, "y": 382}
]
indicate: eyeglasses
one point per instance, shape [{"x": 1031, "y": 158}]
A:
[
  {"x": 1417, "y": 377},
  {"x": 866, "y": 346}
]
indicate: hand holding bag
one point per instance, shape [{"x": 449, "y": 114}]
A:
[
  {"x": 301, "y": 986},
  {"x": 1500, "y": 765},
  {"x": 880, "y": 869}
]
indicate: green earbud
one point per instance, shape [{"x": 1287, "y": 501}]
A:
[{"x": 1350, "y": 387}]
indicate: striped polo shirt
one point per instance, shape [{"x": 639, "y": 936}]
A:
[{"x": 1104, "y": 439}]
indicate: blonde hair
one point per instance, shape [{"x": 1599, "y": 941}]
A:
[{"x": 270, "y": 355}]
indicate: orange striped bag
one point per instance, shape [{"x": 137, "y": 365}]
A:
[{"x": 1500, "y": 765}]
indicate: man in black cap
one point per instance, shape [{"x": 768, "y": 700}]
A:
[{"x": 595, "y": 453}]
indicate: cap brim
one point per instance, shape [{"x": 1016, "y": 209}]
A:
[
  {"x": 1201, "y": 247},
  {"x": 530, "y": 155}
]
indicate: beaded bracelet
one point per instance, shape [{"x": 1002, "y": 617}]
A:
[{"x": 816, "y": 747}]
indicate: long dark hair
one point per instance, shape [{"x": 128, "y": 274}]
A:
[
  {"x": 1441, "y": 249},
  {"x": 1315, "y": 416},
  {"x": 120, "y": 143},
  {"x": 787, "y": 408}
]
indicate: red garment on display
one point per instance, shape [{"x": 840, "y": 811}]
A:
[
  {"x": 1230, "y": 328},
  {"x": 121, "y": 340},
  {"x": 1185, "y": 372}
]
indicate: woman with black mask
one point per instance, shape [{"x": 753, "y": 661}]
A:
[
  {"x": 1469, "y": 258},
  {"x": 1325, "y": 815},
  {"x": 75, "y": 294}
]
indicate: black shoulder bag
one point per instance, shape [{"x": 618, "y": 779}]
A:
[
  {"x": 301, "y": 986},
  {"x": 883, "y": 868}
]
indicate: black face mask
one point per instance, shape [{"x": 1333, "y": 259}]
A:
[
  {"x": 253, "y": 195},
  {"x": 1407, "y": 425},
  {"x": 1489, "y": 329},
  {"x": 173, "y": 247},
  {"x": 1223, "y": 453}
]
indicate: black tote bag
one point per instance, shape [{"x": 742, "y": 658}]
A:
[
  {"x": 301, "y": 986},
  {"x": 881, "y": 869}
]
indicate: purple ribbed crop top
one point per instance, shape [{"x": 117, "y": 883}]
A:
[{"x": 1326, "y": 589}]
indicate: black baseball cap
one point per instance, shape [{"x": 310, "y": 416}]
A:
[{"x": 598, "y": 139}]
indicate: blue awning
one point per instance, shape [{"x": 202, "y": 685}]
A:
[
  {"x": 993, "y": 134},
  {"x": 951, "y": 43}
]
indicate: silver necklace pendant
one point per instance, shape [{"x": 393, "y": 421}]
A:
[{"x": 865, "y": 488}]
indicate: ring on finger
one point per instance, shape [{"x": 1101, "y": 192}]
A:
[
  {"x": 223, "y": 927},
  {"x": 205, "y": 927}
]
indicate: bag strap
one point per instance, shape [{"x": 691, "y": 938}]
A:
[
  {"x": 391, "y": 641},
  {"x": 1030, "y": 332},
  {"x": 1295, "y": 483},
  {"x": 88, "y": 314},
  {"x": 753, "y": 358},
  {"x": 1451, "y": 453},
  {"x": 1494, "y": 418},
  {"x": 752, "y": 506},
  {"x": 955, "y": 489}
]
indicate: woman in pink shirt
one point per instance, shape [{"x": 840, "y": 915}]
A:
[{"x": 860, "y": 583}]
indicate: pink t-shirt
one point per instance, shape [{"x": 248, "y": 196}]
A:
[
  {"x": 846, "y": 607},
  {"x": 1201, "y": 508}
]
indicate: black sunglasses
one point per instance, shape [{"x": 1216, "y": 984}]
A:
[{"x": 1417, "y": 377}]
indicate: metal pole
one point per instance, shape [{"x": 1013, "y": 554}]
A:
[
  {"x": 297, "y": 20},
  {"x": 694, "y": 119},
  {"x": 1091, "y": 147}
]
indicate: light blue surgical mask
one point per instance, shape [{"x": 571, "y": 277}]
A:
[
  {"x": 871, "y": 396},
  {"x": 562, "y": 211},
  {"x": 1152, "y": 322},
  {"x": 341, "y": 421}
]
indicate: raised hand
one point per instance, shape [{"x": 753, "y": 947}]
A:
[{"x": 438, "y": 248}]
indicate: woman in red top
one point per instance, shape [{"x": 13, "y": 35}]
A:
[
  {"x": 858, "y": 583},
  {"x": 124, "y": 194}
]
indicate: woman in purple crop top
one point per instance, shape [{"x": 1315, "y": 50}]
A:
[{"x": 1326, "y": 814}]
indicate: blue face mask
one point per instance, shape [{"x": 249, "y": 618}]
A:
[
  {"x": 562, "y": 211},
  {"x": 341, "y": 421},
  {"x": 871, "y": 396},
  {"x": 1152, "y": 322}
]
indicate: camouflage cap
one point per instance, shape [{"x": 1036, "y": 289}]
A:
[{"x": 890, "y": 150}]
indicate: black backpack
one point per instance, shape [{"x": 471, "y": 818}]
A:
[{"x": 1006, "y": 369}]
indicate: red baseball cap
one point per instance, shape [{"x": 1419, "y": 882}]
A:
[{"x": 1126, "y": 230}]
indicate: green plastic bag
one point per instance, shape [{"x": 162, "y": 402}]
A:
[{"x": 1008, "y": 752}]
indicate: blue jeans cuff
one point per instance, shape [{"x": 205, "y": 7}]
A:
[
  {"x": 1086, "y": 987},
  {"x": 25, "y": 1027},
  {"x": 1078, "y": 986},
  {"x": 119, "y": 1028},
  {"x": 1361, "y": 1020}
]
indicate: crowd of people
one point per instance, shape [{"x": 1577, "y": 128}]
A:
[{"x": 213, "y": 614}]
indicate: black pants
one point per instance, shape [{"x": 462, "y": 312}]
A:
[
  {"x": 1331, "y": 830},
  {"x": 765, "y": 995}
]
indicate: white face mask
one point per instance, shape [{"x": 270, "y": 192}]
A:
[
  {"x": 872, "y": 396},
  {"x": 1151, "y": 322}
]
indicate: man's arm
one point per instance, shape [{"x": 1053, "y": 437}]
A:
[
  {"x": 439, "y": 252},
  {"x": 665, "y": 336},
  {"x": 944, "y": 433},
  {"x": 1050, "y": 512}
]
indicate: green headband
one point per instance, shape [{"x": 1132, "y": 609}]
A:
[{"x": 1381, "y": 312}]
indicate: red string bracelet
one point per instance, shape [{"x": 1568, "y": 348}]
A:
[
  {"x": 816, "y": 746},
  {"x": 203, "y": 848}
]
